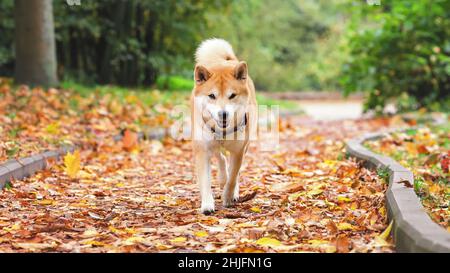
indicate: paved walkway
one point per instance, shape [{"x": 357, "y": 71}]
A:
[
  {"x": 308, "y": 198},
  {"x": 332, "y": 109}
]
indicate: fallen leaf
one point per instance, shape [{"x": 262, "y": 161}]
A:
[
  {"x": 286, "y": 187},
  {"x": 345, "y": 226},
  {"x": 342, "y": 244},
  {"x": 386, "y": 232},
  {"x": 72, "y": 164},
  {"x": 44, "y": 202},
  {"x": 266, "y": 241},
  {"x": 178, "y": 240},
  {"x": 35, "y": 246},
  {"x": 129, "y": 140},
  {"x": 201, "y": 233}
]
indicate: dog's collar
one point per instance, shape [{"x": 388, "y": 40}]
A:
[{"x": 239, "y": 127}]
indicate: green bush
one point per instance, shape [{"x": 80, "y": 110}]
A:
[
  {"x": 174, "y": 83},
  {"x": 404, "y": 54}
]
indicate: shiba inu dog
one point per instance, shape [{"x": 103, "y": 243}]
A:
[{"x": 223, "y": 119}]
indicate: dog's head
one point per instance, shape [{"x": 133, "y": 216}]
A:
[{"x": 222, "y": 94}]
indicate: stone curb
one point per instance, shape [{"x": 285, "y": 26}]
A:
[
  {"x": 413, "y": 229},
  {"x": 16, "y": 169}
]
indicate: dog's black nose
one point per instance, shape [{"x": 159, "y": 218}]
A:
[{"x": 223, "y": 115}]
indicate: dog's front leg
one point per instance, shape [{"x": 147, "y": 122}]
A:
[
  {"x": 223, "y": 170},
  {"x": 203, "y": 171},
  {"x": 231, "y": 191}
]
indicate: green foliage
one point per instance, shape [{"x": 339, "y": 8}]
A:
[
  {"x": 7, "y": 36},
  {"x": 401, "y": 49},
  {"x": 174, "y": 83},
  {"x": 289, "y": 45},
  {"x": 383, "y": 173},
  {"x": 145, "y": 95},
  {"x": 119, "y": 42}
]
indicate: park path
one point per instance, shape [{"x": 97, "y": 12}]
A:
[
  {"x": 309, "y": 197},
  {"x": 332, "y": 109}
]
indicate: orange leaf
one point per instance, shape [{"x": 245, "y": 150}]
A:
[
  {"x": 129, "y": 140},
  {"x": 342, "y": 244}
]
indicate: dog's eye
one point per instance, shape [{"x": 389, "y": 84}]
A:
[
  {"x": 212, "y": 96},
  {"x": 232, "y": 96}
]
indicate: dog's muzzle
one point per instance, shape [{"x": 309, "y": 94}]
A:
[{"x": 210, "y": 124}]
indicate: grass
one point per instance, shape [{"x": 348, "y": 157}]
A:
[
  {"x": 148, "y": 96},
  {"x": 283, "y": 104},
  {"x": 383, "y": 173},
  {"x": 422, "y": 151},
  {"x": 174, "y": 83},
  {"x": 151, "y": 96}
]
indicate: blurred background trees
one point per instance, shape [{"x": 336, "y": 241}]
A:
[
  {"x": 35, "y": 56},
  {"x": 290, "y": 45},
  {"x": 399, "y": 49}
]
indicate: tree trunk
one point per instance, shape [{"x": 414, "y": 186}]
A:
[{"x": 35, "y": 43}]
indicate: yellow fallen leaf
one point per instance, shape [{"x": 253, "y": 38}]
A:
[
  {"x": 89, "y": 233},
  {"x": 201, "y": 233},
  {"x": 52, "y": 128},
  {"x": 72, "y": 164},
  {"x": 434, "y": 188},
  {"x": 134, "y": 240},
  {"x": 131, "y": 99},
  {"x": 162, "y": 246},
  {"x": 344, "y": 199},
  {"x": 296, "y": 195},
  {"x": 345, "y": 226},
  {"x": 35, "y": 246},
  {"x": 330, "y": 249},
  {"x": 382, "y": 211},
  {"x": 386, "y": 232},
  {"x": 315, "y": 192},
  {"x": 255, "y": 209},
  {"x": 44, "y": 202},
  {"x": 12, "y": 228},
  {"x": 246, "y": 225},
  {"x": 266, "y": 241},
  {"x": 411, "y": 148},
  {"x": 115, "y": 230},
  {"x": 93, "y": 243},
  {"x": 178, "y": 240}
]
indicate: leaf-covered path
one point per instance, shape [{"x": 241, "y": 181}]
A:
[{"x": 309, "y": 197}]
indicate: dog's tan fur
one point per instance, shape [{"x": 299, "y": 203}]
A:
[{"x": 219, "y": 73}]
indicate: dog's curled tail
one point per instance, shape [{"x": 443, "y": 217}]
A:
[{"x": 214, "y": 50}]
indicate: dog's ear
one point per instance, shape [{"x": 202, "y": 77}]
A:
[
  {"x": 241, "y": 71},
  {"x": 201, "y": 74}
]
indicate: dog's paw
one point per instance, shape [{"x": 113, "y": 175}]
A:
[
  {"x": 207, "y": 207},
  {"x": 207, "y": 211},
  {"x": 228, "y": 201},
  {"x": 236, "y": 197}
]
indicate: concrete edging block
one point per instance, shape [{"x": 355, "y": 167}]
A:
[
  {"x": 24, "y": 167},
  {"x": 413, "y": 229}
]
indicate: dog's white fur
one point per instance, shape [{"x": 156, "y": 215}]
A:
[
  {"x": 219, "y": 73},
  {"x": 213, "y": 51}
]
